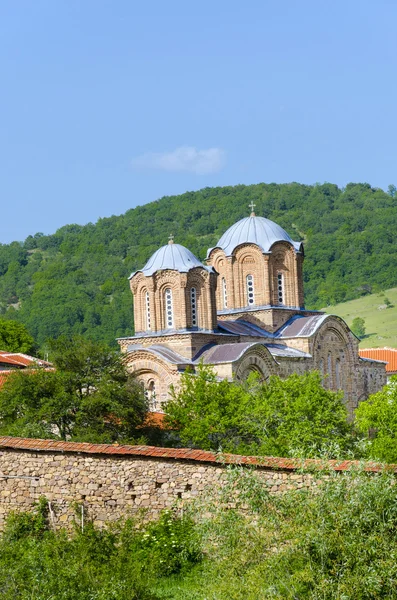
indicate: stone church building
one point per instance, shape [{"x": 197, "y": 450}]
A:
[{"x": 240, "y": 312}]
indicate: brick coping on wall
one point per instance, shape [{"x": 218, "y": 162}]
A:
[{"x": 185, "y": 454}]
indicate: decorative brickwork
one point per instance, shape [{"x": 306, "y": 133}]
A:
[{"x": 251, "y": 291}]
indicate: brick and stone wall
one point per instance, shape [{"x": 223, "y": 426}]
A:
[{"x": 112, "y": 482}]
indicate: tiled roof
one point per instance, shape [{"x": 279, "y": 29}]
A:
[
  {"x": 20, "y": 359},
  {"x": 8, "y": 360},
  {"x": 387, "y": 355},
  {"x": 200, "y": 456}
]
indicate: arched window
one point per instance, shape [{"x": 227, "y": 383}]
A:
[
  {"x": 280, "y": 288},
  {"x": 338, "y": 374},
  {"x": 224, "y": 292},
  {"x": 147, "y": 305},
  {"x": 250, "y": 290},
  {"x": 193, "y": 306},
  {"x": 150, "y": 394},
  {"x": 169, "y": 317}
]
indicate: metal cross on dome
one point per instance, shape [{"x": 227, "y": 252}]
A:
[
  {"x": 252, "y": 206},
  {"x": 171, "y": 239}
]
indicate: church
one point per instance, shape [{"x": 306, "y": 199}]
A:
[{"x": 241, "y": 311}]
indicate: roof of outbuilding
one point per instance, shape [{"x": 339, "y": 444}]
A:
[
  {"x": 254, "y": 230},
  {"x": 171, "y": 256},
  {"x": 387, "y": 355}
]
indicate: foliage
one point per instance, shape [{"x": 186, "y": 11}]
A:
[
  {"x": 172, "y": 543},
  {"x": 114, "y": 564},
  {"x": 14, "y": 337},
  {"x": 334, "y": 541},
  {"x": 88, "y": 397},
  {"x": 75, "y": 281},
  {"x": 358, "y": 327},
  {"x": 377, "y": 417},
  {"x": 279, "y": 417},
  {"x": 22, "y": 524}
]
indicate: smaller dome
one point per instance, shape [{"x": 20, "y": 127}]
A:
[
  {"x": 171, "y": 256},
  {"x": 254, "y": 230}
]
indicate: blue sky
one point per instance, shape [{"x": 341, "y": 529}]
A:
[{"x": 106, "y": 105}]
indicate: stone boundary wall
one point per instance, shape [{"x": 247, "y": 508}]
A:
[{"x": 114, "y": 481}]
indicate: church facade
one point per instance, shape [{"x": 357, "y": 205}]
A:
[{"x": 240, "y": 312}]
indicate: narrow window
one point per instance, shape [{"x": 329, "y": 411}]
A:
[
  {"x": 151, "y": 396},
  {"x": 224, "y": 292},
  {"x": 280, "y": 288},
  {"x": 193, "y": 306},
  {"x": 329, "y": 368},
  {"x": 147, "y": 302},
  {"x": 337, "y": 374},
  {"x": 169, "y": 318},
  {"x": 250, "y": 290},
  {"x": 321, "y": 365}
]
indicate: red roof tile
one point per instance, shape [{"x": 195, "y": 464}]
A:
[
  {"x": 188, "y": 454},
  {"x": 388, "y": 355}
]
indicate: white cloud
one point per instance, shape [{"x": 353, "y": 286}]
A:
[{"x": 184, "y": 158}]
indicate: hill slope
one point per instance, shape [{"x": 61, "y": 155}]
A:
[
  {"x": 380, "y": 321},
  {"x": 76, "y": 280}
]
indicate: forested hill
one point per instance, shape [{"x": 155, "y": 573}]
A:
[{"x": 75, "y": 281}]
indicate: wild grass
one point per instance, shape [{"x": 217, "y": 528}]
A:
[{"x": 336, "y": 541}]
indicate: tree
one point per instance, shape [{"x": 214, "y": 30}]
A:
[
  {"x": 377, "y": 417},
  {"x": 282, "y": 417},
  {"x": 89, "y": 396},
  {"x": 358, "y": 327},
  {"x": 14, "y": 337}
]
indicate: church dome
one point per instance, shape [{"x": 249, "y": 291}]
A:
[
  {"x": 171, "y": 256},
  {"x": 254, "y": 230}
]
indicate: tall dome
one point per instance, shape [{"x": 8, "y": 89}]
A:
[
  {"x": 173, "y": 257},
  {"x": 254, "y": 230}
]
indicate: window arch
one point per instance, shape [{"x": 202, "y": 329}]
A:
[
  {"x": 147, "y": 307},
  {"x": 224, "y": 292},
  {"x": 193, "y": 306},
  {"x": 169, "y": 312},
  {"x": 250, "y": 290},
  {"x": 280, "y": 288}
]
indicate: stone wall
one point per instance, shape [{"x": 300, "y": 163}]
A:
[{"x": 111, "y": 482}]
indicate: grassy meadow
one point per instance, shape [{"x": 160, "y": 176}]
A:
[{"x": 380, "y": 321}]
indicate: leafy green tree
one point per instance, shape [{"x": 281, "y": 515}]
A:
[
  {"x": 14, "y": 337},
  {"x": 358, "y": 327},
  {"x": 89, "y": 396},
  {"x": 75, "y": 281},
  {"x": 282, "y": 417},
  {"x": 377, "y": 417}
]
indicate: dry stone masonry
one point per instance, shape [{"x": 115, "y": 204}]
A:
[{"x": 113, "y": 482}]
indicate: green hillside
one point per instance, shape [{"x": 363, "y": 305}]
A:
[
  {"x": 75, "y": 281},
  {"x": 380, "y": 321}
]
